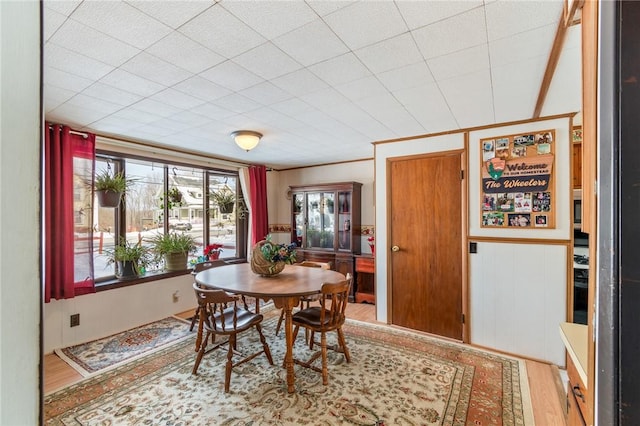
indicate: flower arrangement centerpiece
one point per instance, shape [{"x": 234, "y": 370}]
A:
[
  {"x": 212, "y": 251},
  {"x": 269, "y": 258}
]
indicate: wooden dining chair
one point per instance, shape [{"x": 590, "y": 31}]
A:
[
  {"x": 305, "y": 300},
  {"x": 221, "y": 315},
  {"x": 199, "y": 267},
  {"x": 329, "y": 316}
]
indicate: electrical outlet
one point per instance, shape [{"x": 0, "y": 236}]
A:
[
  {"x": 75, "y": 320},
  {"x": 176, "y": 297}
]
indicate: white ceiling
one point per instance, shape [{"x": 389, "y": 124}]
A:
[{"x": 320, "y": 79}]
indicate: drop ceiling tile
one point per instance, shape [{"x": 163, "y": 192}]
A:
[
  {"x": 139, "y": 116},
  {"x": 291, "y": 107},
  {"x": 156, "y": 108},
  {"x": 265, "y": 93},
  {"x": 365, "y": 87},
  {"x": 428, "y": 106},
  {"x": 300, "y": 82},
  {"x": 172, "y": 13},
  {"x": 65, "y": 60},
  {"x": 64, "y": 7},
  {"x": 389, "y": 54},
  {"x": 312, "y": 43},
  {"x": 515, "y": 88},
  {"x": 213, "y": 112},
  {"x": 155, "y": 69},
  {"x": 169, "y": 124},
  {"x": 149, "y": 132},
  {"x": 52, "y": 20},
  {"x": 275, "y": 118},
  {"x": 521, "y": 46},
  {"x": 190, "y": 118},
  {"x": 201, "y": 88},
  {"x": 470, "y": 98},
  {"x": 406, "y": 77},
  {"x": 176, "y": 99},
  {"x": 323, "y": 7},
  {"x": 111, "y": 94},
  {"x": 236, "y": 103},
  {"x": 271, "y": 18},
  {"x": 365, "y": 23},
  {"x": 506, "y": 18},
  {"x": 232, "y": 76},
  {"x": 445, "y": 36},
  {"x": 324, "y": 99},
  {"x": 83, "y": 39},
  {"x": 341, "y": 69},
  {"x": 70, "y": 114},
  {"x": 460, "y": 63},
  {"x": 267, "y": 61},
  {"x": 65, "y": 80},
  {"x": 128, "y": 82},
  {"x": 221, "y": 32},
  {"x": 420, "y": 13},
  {"x": 185, "y": 53},
  {"x": 113, "y": 124},
  {"x": 56, "y": 96},
  {"x": 121, "y": 21}
]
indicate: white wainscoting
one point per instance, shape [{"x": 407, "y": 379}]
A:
[{"x": 518, "y": 298}]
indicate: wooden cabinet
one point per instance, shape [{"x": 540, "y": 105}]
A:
[
  {"x": 576, "y": 397},
  {"x": 577, "y": 166},
  {"x": 365, "y": 279},
  {"x": 325, "y": 224}
]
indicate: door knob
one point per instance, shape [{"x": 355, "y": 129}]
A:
[{"x": 395, "y": 248}]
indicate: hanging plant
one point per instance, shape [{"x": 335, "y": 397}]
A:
[
  {"x": 110, "y": 187},
  {"x": 225, "y": 199}
]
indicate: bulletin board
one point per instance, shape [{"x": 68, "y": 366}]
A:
[{"x": 517, "y": 181}]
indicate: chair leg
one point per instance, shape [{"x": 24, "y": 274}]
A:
[
  {"x": 200, "y": 354},
  {"x": 343, "y": 344},
  {"x": 195, "y": 318},
  {"x": 280, "y": 321},
  {"x": 267, "y": 352},
  {"x": 229, "y": 366},
  {"x": 311, "y": 337},
  {"x": 325, "y": 371}
]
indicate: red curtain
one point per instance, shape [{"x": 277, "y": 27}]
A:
[
  {"x": 68, "y": 179},
  {"x": 258, "y": 199}
]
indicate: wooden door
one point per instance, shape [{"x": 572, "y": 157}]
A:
[{"x": 426, "y": 228}]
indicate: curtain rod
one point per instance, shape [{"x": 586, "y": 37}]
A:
[{"x": 73, "y": 132}]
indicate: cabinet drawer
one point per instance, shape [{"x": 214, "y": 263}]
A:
[
  {"x": 577, "y": 388},
  {"x": 364, "y": 264}
]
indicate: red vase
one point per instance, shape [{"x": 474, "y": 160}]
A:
[
  {"x": 214, "y": 256},
  {"x": 373, "y": 248}
]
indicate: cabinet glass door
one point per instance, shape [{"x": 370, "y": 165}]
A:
[
  {"x": 298, "y": 217},
  {"x": 320, "y": 223},
  {"x": 344, "y": 220}
]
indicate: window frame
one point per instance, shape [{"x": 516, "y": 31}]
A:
[{"x": 118, "y": 161}]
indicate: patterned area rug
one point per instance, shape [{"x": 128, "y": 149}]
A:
[
  {"x": 98, "y": 355},
  {"x": 394, "y": 378}
]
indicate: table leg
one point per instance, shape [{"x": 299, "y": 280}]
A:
[{"x": 288, "y": 329}]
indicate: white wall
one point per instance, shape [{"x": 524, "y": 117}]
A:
[
  {"x": 517, "y": 298},
  {"x": 113, "y": 311},
  {"x": 20, "y": 284},
  {"x": 385, "y": 151}
]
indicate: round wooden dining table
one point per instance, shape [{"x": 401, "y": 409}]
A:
[{"x": 285, "y": 289}]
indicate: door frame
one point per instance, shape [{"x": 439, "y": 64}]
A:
[{"x": 464, "y": 257}]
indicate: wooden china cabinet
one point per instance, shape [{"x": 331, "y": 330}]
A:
[{"x": 325, "y": 224}]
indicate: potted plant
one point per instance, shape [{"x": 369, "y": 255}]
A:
[
  {"x": 174, "y": 248},
  {"x": 225, "y": 199},
  {"x": 212, "y": 251},
  {"x": 110, "y": 187},
  {"x": 130, "y": 259}
]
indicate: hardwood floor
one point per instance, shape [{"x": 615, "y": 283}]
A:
[{"x": 546, "y": 390}]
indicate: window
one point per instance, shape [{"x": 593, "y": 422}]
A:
[{"x": 166, "y": 197}]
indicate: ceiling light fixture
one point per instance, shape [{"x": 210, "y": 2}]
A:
[{"x": 246, "y": 139}]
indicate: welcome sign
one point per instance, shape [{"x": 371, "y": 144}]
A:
[
  {"x": 517, "y": 180},
  {"x": 523, "y": 174}
]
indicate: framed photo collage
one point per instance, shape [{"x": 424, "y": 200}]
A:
[{"x": 517, "y": 181}]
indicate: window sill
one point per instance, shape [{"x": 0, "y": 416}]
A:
[{"x": 148, "y": 277}]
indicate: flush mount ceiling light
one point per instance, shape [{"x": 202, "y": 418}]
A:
[{"x": 246, "y": 139}]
